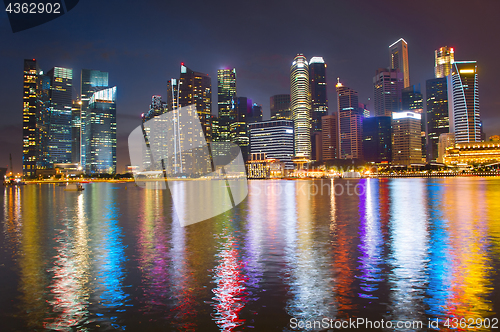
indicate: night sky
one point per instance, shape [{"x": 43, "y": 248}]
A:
[{"x": 142, "y": 43}]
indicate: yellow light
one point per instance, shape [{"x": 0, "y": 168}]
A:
[{"x": 467, "y": 71}]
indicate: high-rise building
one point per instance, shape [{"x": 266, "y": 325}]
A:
[
  {"x": 413, "y": 100},
  {"x": 226, "y": 93},
  {"x": 91, "y": 81},
  {"x": 196, "y": 89},
  {"x": 463, "y": 102},
  {"x": 172, "y": 94},
  {"x": 239, "y": 127},
  {"x": 388, "y": 85},
  {"x": 399, "y": 59},
  {"x": 444, "y": 57},
  {"x": 406, "y": 141},
  {"x": 350, "y": 123},
  {"x": 377, "y": 140},
  {"x": 329, "y": 137},
  {"x": 437, "y": 119},
  {"x": 280, "y": 107},
  {"x": 319, "y": 99},
  {"x": 76, "y": 124},
  {"x": 300, "y": 105},
  {"x": 274, "y": 138},
  {"x": 30, "y": 113},
  {"x": 255, "y": 114},
  {"x": 100, "y": 132},
  {"x": 60, "y": 115}
]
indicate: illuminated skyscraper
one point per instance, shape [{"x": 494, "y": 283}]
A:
[
  {"x": 350, "y": 123},
  {"x": 196, "y": 89},
  {"x": 388, "y": 85},
  {"x": 172, "y": 94},
  {"x": 438, "y": 121},
  {"x": 100, "y": 132},
  {"x": 406, "y": 142},
  {"x": 463, "y": 102},
  {"x": 76, "y": 125},
  {"x": 319, "y": 100},
  {"x": 300, "y": 105},
  {"x": 280, "y": 107},
  {"x": 91, "y": 82},
  {"x": 30, "y": 105},
  {"x": 226, "y": 93},
  {"x": 412, "y": 100},
  {"x": 399, "y": 59},
  {"x": 60, "y": 115},
  {"x": 274, "y": 138},
  {"x": 444, "y": 57}
]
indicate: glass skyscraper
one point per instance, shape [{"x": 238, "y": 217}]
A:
[
  {"x": 30, "y": 112},
  {"x": 300, "y": 105},
  {"x": 437, "y": 115},
  {"x": 463, "y": 98},
  {"x": 319, "y": 99},
  {"x": 377, "y": 144},
  {"x": 399, "y": 59},
  {"x": 388, "y": 85},
  {"x": 226, "y": 94},
  {"x": 280, "y": 107}
]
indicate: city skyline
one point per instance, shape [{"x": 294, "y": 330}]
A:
[{"x": 261, "y": 64}]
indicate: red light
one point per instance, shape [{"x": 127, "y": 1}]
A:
[
  {"x": 182, "y": 63},
  {"x": 452, "y": 50},
  {"x": 33, "y": 59}
]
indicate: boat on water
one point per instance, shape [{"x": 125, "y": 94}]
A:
[{"x": 74, "y": 187}]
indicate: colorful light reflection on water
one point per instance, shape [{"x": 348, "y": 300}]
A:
[{"x": 116, "y": 258}]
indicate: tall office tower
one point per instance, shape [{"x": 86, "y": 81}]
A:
[
  {"x": 76, "y": 125},
  {"x": 196, "y": 89},
  {"x": 377, "y": 140},
  {"x": 43, "y": 123},
  {"x": 255, "y": 114},
  {"x": 226, "y": 93},
  {"x": 437, "y": 115},
  {"x": 444, "y": 57},
  {"x": 239, "y": 127},
  {"x": 300, "y": 105},
  {"x": 319, "y": 100},
  {"x": 60, "y": 116},
  {"x": 463, "y": 102},
  {"x": 274, "y": 138},
  {"x": 399, "y": 59},
  {"x": 30, "y": 112},
  {"x": 91, "y": 81},
  {"x": 100, "y": 132},
  {"x": 280, "y": 107},
  {"x": 350, "y": 123},
  {"x": 406, "y": 142},
  {"x": 413, "y": 100},
  {"x": 388, "y": 85},
  {"x": 329, "y": 137},
  {"x": 172, "y": 94}
]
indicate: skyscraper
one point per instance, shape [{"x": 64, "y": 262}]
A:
[
  {"x": 255, "y": 114},
  {"x": 437, "y": 115},
  {"x": 350, "y": 123},
  {"x": 463, "y": 102},
  {"x": 444, "y": 57},
  {"x": 30, "y": 112},
  {"x": 377, "y": 140},
  {"x": 412, "y": 100},
  {"x": 399, "y": 59},
  {"x": 100, "y": 132},
  {"x": 91, "y": 82},
  {"x": 280, "y": 107},
  {"x": 406, "y": 142},
  {"x": 300, "y": 105},
  {"x": 60, "y": 115},
  {"x": 388, "y": 85},
  {"x": 319, "y": 100},
  {"x": 329, "y": 137},
  {"x": 239, "y": 127},
  {"x": 76, "y": 125},
  {"x": 226, "y": 93},
  {"x": 196, "y": 89}
]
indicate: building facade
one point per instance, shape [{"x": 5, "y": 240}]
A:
[
  {"x": 377, "y": 140},
  {"x": 350, "y": 122},
  {"x": 463, "y": 102},
  {"x": 30, "y": 115},
  {"x": 226, "y": 93},
  {"x": 300, "y": 105},
  {"x": 274, "y": 138},
  {"x": 280, "y": 107},
  {"x": 388, "y": 85},
  {"x": 438, "y": 121},
  {"x": 329, "y": 137},
  {"x": 406, "y": 141},
  {"x": 444, "y": 57},
  {"x": 399, "y": 59},
  {"x": 319, "y": 99}
]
